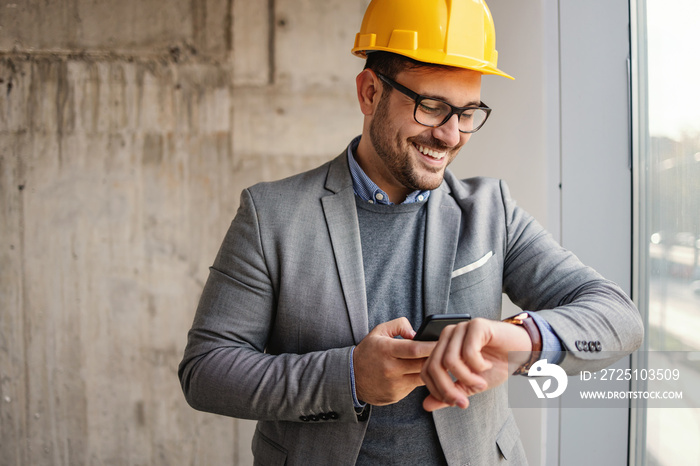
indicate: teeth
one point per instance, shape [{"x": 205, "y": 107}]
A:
[{"x": 432, "y": 153}]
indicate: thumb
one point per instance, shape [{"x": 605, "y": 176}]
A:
[{"x": 400, "y": 327}]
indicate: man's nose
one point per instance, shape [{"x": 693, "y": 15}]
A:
[{"x": 449, "y": 132}]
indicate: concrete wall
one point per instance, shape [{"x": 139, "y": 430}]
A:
[{"x": 127, "y": 131}]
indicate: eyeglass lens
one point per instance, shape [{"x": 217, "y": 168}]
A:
[{"x": 431, "y": 112}]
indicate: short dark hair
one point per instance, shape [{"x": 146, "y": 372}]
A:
[{"x": 391, "y": 64}]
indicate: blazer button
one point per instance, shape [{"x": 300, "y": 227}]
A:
[
  {"x": 323, "y": 416},
  {"x": 333, "y": 415},
  {"x": 303, "y": 418},
  {"x": 598, "y": 346},
  {"x": 313, "y": 418}
]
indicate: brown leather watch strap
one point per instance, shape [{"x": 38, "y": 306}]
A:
[
  {"x": 530, "y": 327},
  {"x": 534, "y": 333}
]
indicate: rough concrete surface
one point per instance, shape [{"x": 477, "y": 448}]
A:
[{"x": 127, "y": 131}]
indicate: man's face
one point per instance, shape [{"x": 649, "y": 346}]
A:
[{"x": 411, "y": 156}]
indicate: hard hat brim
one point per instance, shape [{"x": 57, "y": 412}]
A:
[{"x": 438, "y": 58}]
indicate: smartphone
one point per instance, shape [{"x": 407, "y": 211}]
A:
[{"x": 433, "y": 324}]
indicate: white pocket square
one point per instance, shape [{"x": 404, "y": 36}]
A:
[{"x": 473, "y": 265}]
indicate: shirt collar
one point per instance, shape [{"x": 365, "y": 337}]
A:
[{"x": 367, "y": 190}]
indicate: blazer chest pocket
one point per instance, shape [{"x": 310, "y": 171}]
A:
[
  {"x": 477, "y": 289},
  {"x": 473, "y": 273}
]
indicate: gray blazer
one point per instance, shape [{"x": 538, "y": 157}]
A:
[{"x": 285, "y": 302}]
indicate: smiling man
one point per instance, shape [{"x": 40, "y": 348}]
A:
[
  {"x": 411, "y": 137},
  {"x": 307, "y": 320}
]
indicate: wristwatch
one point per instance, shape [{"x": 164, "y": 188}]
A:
[{"x": 528, "y": 323}]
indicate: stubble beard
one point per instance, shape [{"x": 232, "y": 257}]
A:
[{"x": 397, "y": 158}]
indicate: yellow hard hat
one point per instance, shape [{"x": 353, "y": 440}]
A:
[{"x": 456, "y": 33}]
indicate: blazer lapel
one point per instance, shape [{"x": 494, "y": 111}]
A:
[
  {"x": 441, "y": 236},
  {"x": 341, "y": 217}
]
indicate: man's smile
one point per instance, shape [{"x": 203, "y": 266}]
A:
[{"x": 437, "y": 155}]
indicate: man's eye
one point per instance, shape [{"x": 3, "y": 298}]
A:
[
  {"x": 468, "y": 114},
  {"x": 426, "y": 107}
]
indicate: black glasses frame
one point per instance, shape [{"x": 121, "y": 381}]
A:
[{"x": 417, "y": 98}]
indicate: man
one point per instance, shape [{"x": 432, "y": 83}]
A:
[{"x": 377, "y": 239}]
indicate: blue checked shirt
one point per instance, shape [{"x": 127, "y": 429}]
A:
[{"x": 367, "y": 190}]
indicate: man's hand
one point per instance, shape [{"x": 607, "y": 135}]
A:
[
  {"x": 476, "y": 354},
  {"x": 386, "y": 368}
]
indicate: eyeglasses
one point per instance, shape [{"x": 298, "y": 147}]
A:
[{"x": 435, "y": 112}]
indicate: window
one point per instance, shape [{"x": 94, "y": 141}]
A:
[{"x": 666, "y": 115}]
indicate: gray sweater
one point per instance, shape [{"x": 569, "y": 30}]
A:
[{"x": 393, "y": 240}]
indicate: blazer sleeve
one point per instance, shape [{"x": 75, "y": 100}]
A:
[
  {"x": 225, "y": 369},
  {"x": 594, "y": 319}
]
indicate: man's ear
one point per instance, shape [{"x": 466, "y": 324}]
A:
[{"x": 368, "y": 91}]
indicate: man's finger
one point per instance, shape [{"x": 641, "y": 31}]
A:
[
  {"x": 431, "y": 404},
  {"x": 478, "y": 335},
  {"x": 436, "y": 377},
  {"x": 410, "y": 349},
  {"x": 400, "y": 327},
  {"x": 463, "y": 369},
  {"x": 411, "y": 366}
]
